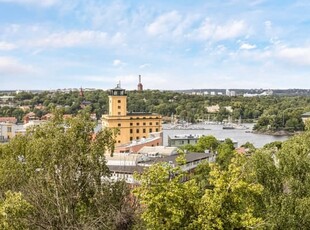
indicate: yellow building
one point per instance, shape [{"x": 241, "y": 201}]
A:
[
  {"x": 132, "y": 126},
  {"x": 7, "y": 131}
]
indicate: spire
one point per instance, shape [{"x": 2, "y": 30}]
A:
[
  {"x": 81, "y": 92},
  {"x": 119, "y": 84}
]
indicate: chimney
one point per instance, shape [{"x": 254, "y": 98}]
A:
[{"x": 140, "y": 86}]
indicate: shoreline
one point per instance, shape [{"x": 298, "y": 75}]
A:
[{"x": 276, "y": 133}]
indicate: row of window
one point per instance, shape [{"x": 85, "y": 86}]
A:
[
  {"x": 144, "y": 130},
  {"x": 144, "y": 118},
  {"x": 137, "y": 124}
]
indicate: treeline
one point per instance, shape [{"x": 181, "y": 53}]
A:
[
  {"x": 271, "y": 113},
  {"x": 55, "y": 177}
]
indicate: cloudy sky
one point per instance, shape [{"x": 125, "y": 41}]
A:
[{"x": 183, "y": 44}]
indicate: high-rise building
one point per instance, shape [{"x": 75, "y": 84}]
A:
[{"x": 132, "y": 126}]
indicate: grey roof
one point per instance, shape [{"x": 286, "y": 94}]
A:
[
  {"x": 307, "y": 114},
  {"x": 130, "y": 169},
  {"x": 189, "y": 157}
]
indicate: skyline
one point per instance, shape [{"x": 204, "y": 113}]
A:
[{"x": 51, "y": 44}]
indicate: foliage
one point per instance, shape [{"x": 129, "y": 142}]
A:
[
  {"x": 13, "y": 210},
  {"x": 231, "y": 203},
  {"x": 207, "y": 143},
  {"x": 60, "y": 170},
  {"x": 169, "y": 204},
  {"x": 272, "y": 113},
  {"x": 225, "y": 152}
]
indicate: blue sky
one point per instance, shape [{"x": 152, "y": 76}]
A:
[{"x": 183, "y": 44}]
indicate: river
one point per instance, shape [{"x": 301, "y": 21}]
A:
[{"x": 240, "y": 135}]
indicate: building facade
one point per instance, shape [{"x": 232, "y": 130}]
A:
[{"x": 132, "y": 126}]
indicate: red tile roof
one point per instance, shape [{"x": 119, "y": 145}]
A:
[{"x": 8, "y": 119}]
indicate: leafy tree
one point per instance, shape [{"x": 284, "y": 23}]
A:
[
  {"x": 168, "y": 203},
  {"x": 60, "y": 170},
  {"x": 13, "y": 210},
  {"x": 225, "y": 152},
  {"x": 207, "y": 142},
  {"x": 231, "y": 203}
]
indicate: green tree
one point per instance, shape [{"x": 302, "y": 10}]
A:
[
  {"x": 225, "y": 152},
  {"x": 167, "y": 203},
  {"x": 14, "y": 210},
  {"x": 207, "y": 143},
  {"x": 231, "y": 203},
  {"x": 60, "y": 169}
]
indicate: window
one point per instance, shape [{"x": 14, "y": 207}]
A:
[
  {"x": 144, "y": 123},
  {"x": 119, "y": 113},
  {"x": 119, "y": 124},
  {"x": 118, "y": 101},
  {"x": 119, "y": 141},
  {"x": 130, "y": 130},
  {"x": 137, "y": 131},
  {"x": 131, "y": 124},
  {"x": 118, "y": 107},
  {"x": 144, "y": 131},
  {"x": 138, "y": 124},
  {"x": 9, "y": 129},
  {"x": 156, "y": 130},
  {"x": 150, "y": 123},
  {"x": 131, "y": 138},
  {"x": 157, "y": 123},
  {"x": 137, "y": 138},
  {"x": 151, "y": 130}
]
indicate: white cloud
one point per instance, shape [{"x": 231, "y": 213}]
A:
[
  {"x": 77, "y": 38},
  {"x": 118, "y": 63},
  {"x": 296, "y": 55},
  {"x": 164, "y": 23},
  {"x": 5, "y": 46},
  {"x": 10, "y": 66},
  {"x": 246, "y": 46},
  {"x": 231, "y": 29},
  {"x": 42, "y": 3},
  {"x": 145, "y": 65}
]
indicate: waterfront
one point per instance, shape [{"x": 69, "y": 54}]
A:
[{"x": 240, "y": 135}]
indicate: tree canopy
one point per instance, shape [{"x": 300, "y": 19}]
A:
[{"x": 58, "y": 172}]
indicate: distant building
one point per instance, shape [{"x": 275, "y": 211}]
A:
[
  {"x": 7, "y": 131},
  {"x": 7, "y": 128},
  {"x": 140, "y": 86},
  {"x": 132, "y": 126},
  {"x": 185, "y": 139},
  {"x": 123, "y": 166},
  {"x": 30, "y": 117},
  {"x": 265, "y": 93},
  {"x": 230, "y": 93},
  {"x": 11, "y": 120},
  {"x": 305, "y": 116},
  {"x": 213, "y": 108}
]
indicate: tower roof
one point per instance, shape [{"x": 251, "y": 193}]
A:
[{"x": 118, "y": 91}]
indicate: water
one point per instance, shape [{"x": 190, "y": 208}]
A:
[{"x": 239, "y": 135}]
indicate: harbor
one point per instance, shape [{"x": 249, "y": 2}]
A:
[{"x": 240, "y": 135}]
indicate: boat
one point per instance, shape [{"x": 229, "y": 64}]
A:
[
  {"x": 234, "y": 126},
  {"x": 231, "y": 125}
]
